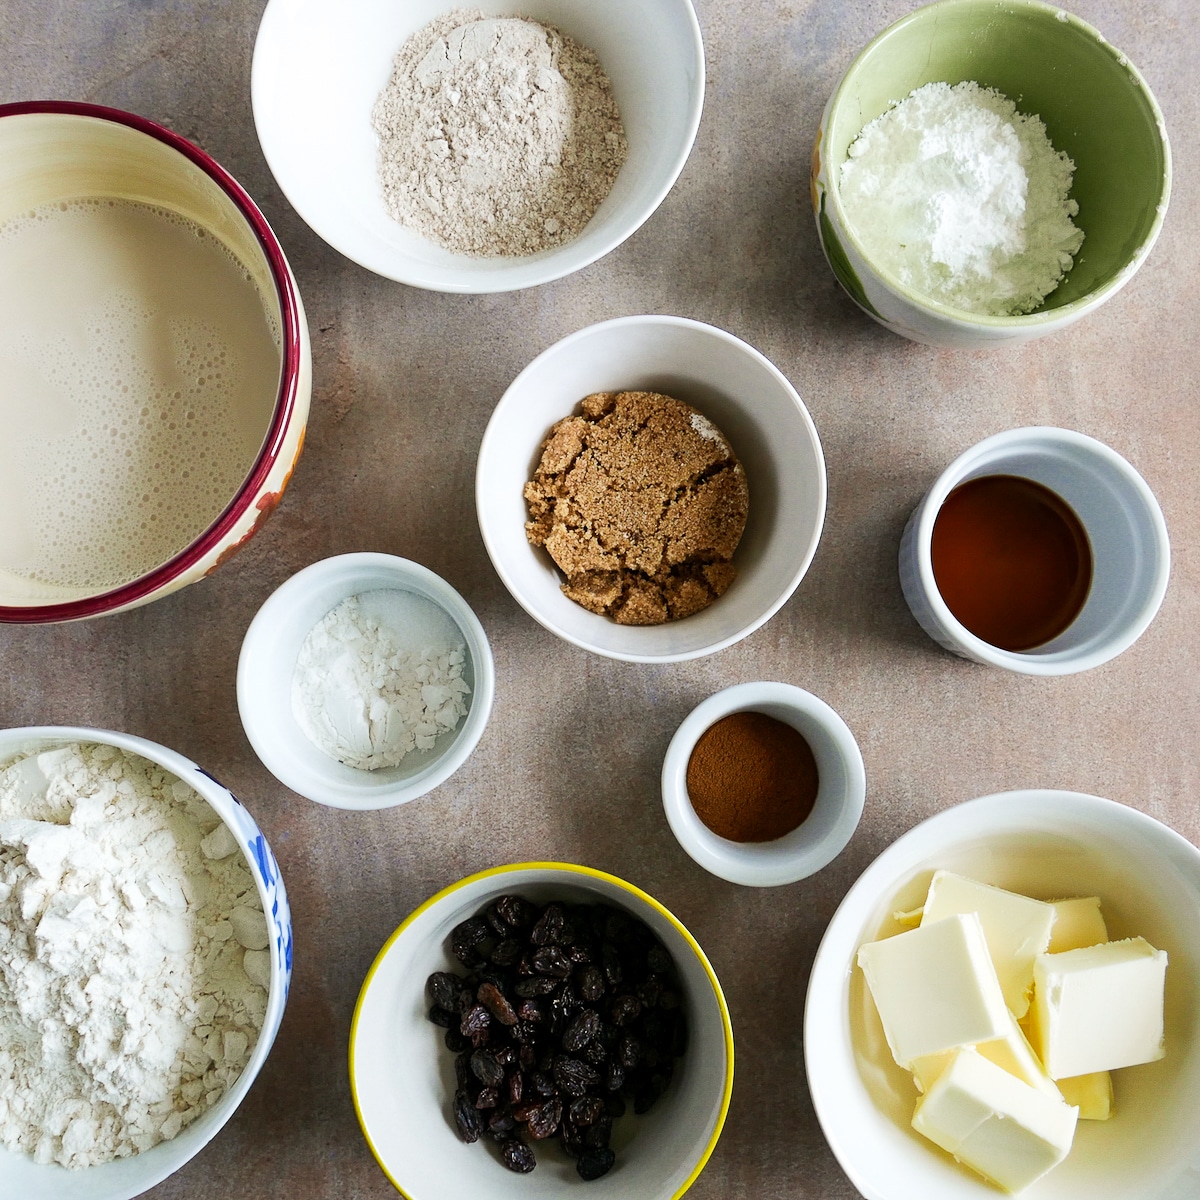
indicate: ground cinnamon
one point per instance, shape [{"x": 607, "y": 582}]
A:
[{"x": 752, "y": 778}]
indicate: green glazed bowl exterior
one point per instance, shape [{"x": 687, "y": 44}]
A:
[{"x": 1096, "y": 107}]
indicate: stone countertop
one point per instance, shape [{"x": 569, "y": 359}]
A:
[{"x": 568, "y": 768}]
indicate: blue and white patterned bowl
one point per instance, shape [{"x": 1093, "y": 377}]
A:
[{"x": 23, "y": 1179}]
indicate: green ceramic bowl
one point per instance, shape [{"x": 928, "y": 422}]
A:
[{"x": 1095, "y": 106}]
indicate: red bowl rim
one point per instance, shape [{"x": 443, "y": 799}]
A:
[{"x": 289, "y": 384}]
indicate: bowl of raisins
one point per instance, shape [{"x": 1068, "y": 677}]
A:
[{"x": 536, "y": 1029}]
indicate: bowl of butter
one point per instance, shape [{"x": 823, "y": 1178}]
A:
[{"x": 1006, "y": 1002}]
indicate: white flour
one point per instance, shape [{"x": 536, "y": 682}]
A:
[
  {"x": 380, "y": 677},
  {"x": 498, "y": 136},
  {"x": 126, "y": 916},
  {"x": 964, "y": 199}
]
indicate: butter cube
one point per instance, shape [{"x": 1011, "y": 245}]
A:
[
  {"x": 993, "y": 1123},
  {"x": 1012, "y": 1053},
  {"x": 1099, "y": 1008},
  {"x": 1077, "y": 924},
  {"x": 1091, "y": 1094},
  {"x": 1017, "y": 929},
  {"x": 935, "y": 988}
]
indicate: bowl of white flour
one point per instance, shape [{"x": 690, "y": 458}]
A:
[
  {"x": 477, "y": 147},
  {"x": 145, "y": 957},
  {"x": 988, "y": 171}
]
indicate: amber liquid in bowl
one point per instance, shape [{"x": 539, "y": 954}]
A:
[{"x": 1011, "y": 560}]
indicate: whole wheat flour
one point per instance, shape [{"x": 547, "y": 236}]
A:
[
  {"x": 964, "y": 199},
  {"x": 498, "y": 136},
  {"x": 127, "y": 916},
  {"x": 378, "y": 677}
]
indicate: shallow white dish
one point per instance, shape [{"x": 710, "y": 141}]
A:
[
  {"x": 733, "y": 385},
  {"x": 1130, "y": 550},
  {"x": 23, "y": 1179},
  {"x": 319, "y": 68},
  {"x": 1047, "y": 844},
  {"x": 402, "y": 1076},
  {"x": 268, "y": 661},
  {"x": 813, "y": 844}
]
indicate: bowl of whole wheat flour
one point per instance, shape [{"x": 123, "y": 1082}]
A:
[
  {"x": 471, "y": 147},
  {"x": 145, "y": 957}
]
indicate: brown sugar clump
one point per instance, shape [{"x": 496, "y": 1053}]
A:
[{"x": 641, "y": 502}]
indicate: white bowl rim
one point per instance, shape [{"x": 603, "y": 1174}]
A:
[
  {"x": 829, "y": 974},
  {"x": 498, "y": 872},
  {"x": 1062, "y": 662},
  {"x": 497, "y": 419},
  {"x": 702, "y": 845},
  {"x": 456, "y": 607},
  {"x": 963, "y": 318},
  {"x": 184, "y": 769},
  {"x": 496, "y": 284}
]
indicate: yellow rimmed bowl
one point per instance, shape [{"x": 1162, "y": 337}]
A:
[{"x": 402, "y": 1075}]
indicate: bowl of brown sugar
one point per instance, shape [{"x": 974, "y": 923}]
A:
[{"x": 763, "y": 784}]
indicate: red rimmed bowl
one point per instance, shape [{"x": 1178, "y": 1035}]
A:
[{"x": 133, "y": 265}]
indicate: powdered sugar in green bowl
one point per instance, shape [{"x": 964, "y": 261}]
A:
[{"x": 1097, "y": 110}]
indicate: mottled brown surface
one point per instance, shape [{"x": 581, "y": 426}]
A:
[
  {"x": 568, "y": 768},
  {"x": 641, "y": 502}
]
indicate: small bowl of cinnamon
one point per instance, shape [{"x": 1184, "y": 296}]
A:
[{"x": 763, "y": 784}]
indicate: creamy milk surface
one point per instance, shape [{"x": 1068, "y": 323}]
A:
[{"x": 138, "y": 372}]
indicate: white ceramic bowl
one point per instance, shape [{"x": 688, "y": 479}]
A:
[
  {"x": 23, "y": 1179},
  {"x": 319, "y": 68},
  {"x": 1131, "y": 555},
  {"x": 268, "y": 661},
  {"x": 402, "y": 1075},
  {"x": 752, "y": 403},
  {"x": 1049, "y": 845},
  {"x": 817, "y": 841}
]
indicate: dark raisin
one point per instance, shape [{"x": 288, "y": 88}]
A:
[
  {"x": 658, "y": 960},
  {"x": 586, "y": 1110},
  {"x": 532, "y": 1011},
  {"x": 455, "y": 1042},
  {"x": 486, "y": 1069},
  {"x": 598, "y": 1133},
  {"x": 476, "y": 1024},
  {"x": 550, "y": 960},
  {"x": 467, "y": 1118},
  {"x": 444, "y": 1017},
  {"x": 506, "y": 953},
  {"x": 669, "y": 1000},
  {"x": 591, "y": 983},
  {"x": 581, "y": 1030},
  {"x": 549, "y": 926},
  {"x": 625, "y": 1010},
  {"x": 614, "y": 1077},
  {"x": 518, "y": 1156},
  {"x": 580, "y": 953},
  {"x": 542, "y": 1084},
  {"x": 501, "y": 1122},
  {"x": 488, "y": 1097},
  {"x": 443, "y": 989},
  {"x": 527, "y": 1056},
  {"x": 494, "y": 1000},
  {"x": 494, "y": 918},
  {"x": 596, "y": 1053},
  {"x": 516, "y": 1087},
  {"x": 629, "y": 1052},
  {"x": 516, "y": 911},
  {"x": 539, "y": 985},
  {"x": 611, "y": 962},
  {"x": 462, "y": 1069},
  {"x": 573, "y": 1076},
  {"x": 649, "y": 991},
  {"x": 594, "y": 1163},
  {"x": 465, "y": 937}
]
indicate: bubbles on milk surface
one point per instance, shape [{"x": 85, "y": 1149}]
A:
[{"x": 144, "y": 369}]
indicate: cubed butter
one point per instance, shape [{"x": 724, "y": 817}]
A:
[
  {"x": 935, "y": 988},
  {"x": 1099, "y": 1008},
  {"x": 990, "y": 1121},
  {"x": 1077, "y": 923},
  {"x": 1013, "y": 1053},
  {"x": 1091, "y": 1094},
  {"x": 1017, "y": 928}
]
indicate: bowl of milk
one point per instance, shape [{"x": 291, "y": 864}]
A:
[{"x": 156, "y": 358}]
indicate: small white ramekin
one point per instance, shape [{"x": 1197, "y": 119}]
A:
[
  {"x": 1131, "y": 556},
  {"x": 817, "y": 841},
  {"x": 268, "y": 662}
]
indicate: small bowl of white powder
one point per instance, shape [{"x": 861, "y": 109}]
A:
[
  {"x": 145, "y": 957},
  {"x": 988, "y": 171},
  {"x": 365, "y": 681},
  {"x": 477, "y": 147}
]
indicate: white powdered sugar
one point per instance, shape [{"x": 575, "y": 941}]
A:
[
  {"x": 497, "y": 136},
  {"x": 126, "y": 918},
  {"x": 379, "y": 677},
  {"x": 964, "y": 199}
]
